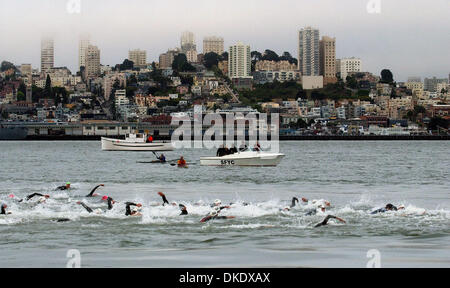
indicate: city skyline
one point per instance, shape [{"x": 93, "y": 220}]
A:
[{"x": 375, "y": 38}]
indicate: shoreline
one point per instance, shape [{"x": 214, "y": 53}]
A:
[{"x": 281, "y": 138}]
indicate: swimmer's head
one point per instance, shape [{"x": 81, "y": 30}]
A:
[
  {"x": 389, "y": 207},
  {"x": 104, "y": 198},
  {"x": 217, "y": 202},
  {"x": 322, "y": 208},
  {"x": 68, "y": 185}
]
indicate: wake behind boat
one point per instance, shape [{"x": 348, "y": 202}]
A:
[
  {"x": 135, "y": 142},
  {"x": 244, "y": 158}
]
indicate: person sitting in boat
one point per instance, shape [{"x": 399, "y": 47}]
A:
[
  {"x": 233, "y": 150},
  {"x": 66, "y": 187},
  {"x": 150, "y": 139},
  {"x": 220, "y": 151},
  {"x": 182, "y": 162},
  {"x": 162, "y": 158},
  {"x": 257, "y": 147},
  {"x": 243, "y": 147}
]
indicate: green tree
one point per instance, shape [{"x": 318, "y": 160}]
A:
[
  {"x": 48, "y": 92},
  {"x": 270, "y": 55},
  {"x": 181, "y": 64},
  {"x": 387, "y": 76},
  {"x": 20, "y": 96},
  {"x": 210, "y": 60}
]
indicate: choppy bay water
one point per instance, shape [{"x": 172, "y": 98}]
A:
[{"x": 356, "y": 177}]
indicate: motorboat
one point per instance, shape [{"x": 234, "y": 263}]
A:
[
  {"x": 247, "y": 157},
  {"x": 135, "y": 142}
]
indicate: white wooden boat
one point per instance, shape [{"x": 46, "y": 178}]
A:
[
  {"x": 245, "y": 158},
  {"x": 135, "y": 142}
]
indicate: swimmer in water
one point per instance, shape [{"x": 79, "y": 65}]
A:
[
  {"x": 65, "y": 187},
  {"x": 218, "y": 203},
  {"x": 3, "y": 209},
  {"x": 134, "y": 211},
  {"x": 316, "y": 202},
  {"x": 42, "y": 197},
  {"x": 328, "y": 218},
  {"x": 293, "y": 204},
  {"x": 91, "y": 194},
  {"x": 183, "y": 209},
  {"x": 165, "y": 201},
  {"x": 315, "y": 211},
  {"x": 389, "y": 207},
  {"x": 98, "y": 211},
  {"x": 214, "y": 215}
]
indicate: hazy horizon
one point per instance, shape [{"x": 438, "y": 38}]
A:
[{"x": 409, "y": 37}]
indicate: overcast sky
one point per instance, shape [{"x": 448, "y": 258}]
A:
[{"x": 410, "y": 37}]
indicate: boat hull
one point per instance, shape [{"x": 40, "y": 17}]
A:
[
  {"x": 254, "y": 160},
  {"x": 121, "y": 145}
]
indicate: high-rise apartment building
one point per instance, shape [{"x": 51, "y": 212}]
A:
[
  {"x": 92, "y": 68},
  {"x": 188, "y": 42},
  {"x": 348, "y": 65},
  {"x": 430, "y": 84},
  {"x": 308, "y": 52},
  {"x": 82, "y": 46},
  {"x": 239, "y": 61},
  {"x": 328, "y": 60},
  {"x": 213, "y": 44},
  {"x": 166, "y": 59},
  {"x": 47, "y": 54},
  {"x": 139, "y": 58}
]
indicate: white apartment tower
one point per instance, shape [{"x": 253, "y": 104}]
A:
[
  {"x": 239, "y": 61},
  {"x": 83, "y": 45},
  {"x": 92, "y": 67},
  {"x": 308, "y": 52},
  {"x": 348, "y": 65},
  {"x": 139, "y": 57},
  {"x": 47, "y": 54},
  {"x": 213, "y": 44}
]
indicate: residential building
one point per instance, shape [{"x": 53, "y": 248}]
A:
[
  {"x": 266, "y": 65},
  {"x": 92, "y": 56},
  {"x": 138, "y": 57},
  {"x": 188, "y": 42},
  {"x": 239, "y": 61},
  {"x": 430, "y": 84},
  {"x": 213, "y": 44},
  {"x": 47, "y": 54},
  {"x": 309, "y": 54},
  {"x": 347, "y": 65},
  {"x": 166, "y": 59},
  {"x": 82, "y": 47},
  {"x": 328, "y": 59}
]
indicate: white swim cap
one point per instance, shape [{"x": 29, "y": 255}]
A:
[
  {"x": 217, "y": 202},
  {"x": 213, "y": 213},
  {"x": 42, "y": 199}
]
